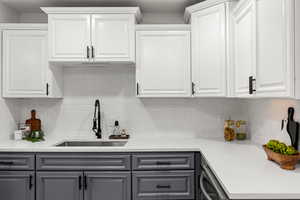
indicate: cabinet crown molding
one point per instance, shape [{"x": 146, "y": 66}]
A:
[
  {"x": 202, "y": 5},
  {"x": 94, "y": 10}
]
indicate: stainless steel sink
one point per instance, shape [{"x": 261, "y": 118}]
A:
[{"x": 92, "y": 144}]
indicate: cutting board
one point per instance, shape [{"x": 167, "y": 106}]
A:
[
  {"x": 34, "y": 123},
  {"x": 293, "y": 128}
]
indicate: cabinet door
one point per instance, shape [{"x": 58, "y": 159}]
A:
[
  {"x": 59, "y": 186},
  {"x": 244, "y": 45},
  {"x": 113, "y": 37},
  {"x": 16, "y": 185},
  {"x": 163, "y": 64},
  {"x": 209, "y": 51},
  {"x": 25, "y": 63},
  {"x": 108, "y": 186},
  {"x": 69, "y": 37},
  {"x": 274, "y": 70}
]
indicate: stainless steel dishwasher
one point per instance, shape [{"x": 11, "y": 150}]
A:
[{"x": 210, "y": 188}]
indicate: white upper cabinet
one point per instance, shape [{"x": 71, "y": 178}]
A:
[
  {"x": 275, "y": 43},
  {"x": 209, "y": 51},
  {"x": 264, "y": 41},
  {"x": 163, "y": 61},
  {"x": 104, "y": 34},
  {"x": 244, "y": 43},
  {"x": 113, "y": 37},
  {"x": 69, "y": 37},
  {"x": 210, "y": 26},
  {"x": 26, "y": 72}
]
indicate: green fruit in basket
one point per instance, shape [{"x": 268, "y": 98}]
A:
[
  {"x": 280, "y": 147},
  {"x": 291, "y": 151},
  {"x": 272, "y": 144}
]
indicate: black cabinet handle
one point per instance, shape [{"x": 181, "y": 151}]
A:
[
  {"x": 87, "y": 52},
  {"x": 47, "y": 89},
  {"x": 251, "y": 85},
  {"x": 85, "y": 182},
  {"x": 137, "y": 89},
  {"x": 6, "y": 163},
  {"x": 80, "y": 182},
  {"x": 93, "y": 54},
  {"x": 163, "y": 163},
  {"x": 163, "y": 186},
  {"x": 193, "y": 88},
  {"x": 30, "y": 182}
]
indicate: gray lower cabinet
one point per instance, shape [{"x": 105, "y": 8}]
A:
[
  {"x": 59, "y": 185},
  {"x": 107, "y": 186},
  {"x": 149, "y": 185},
  {"x": 97, "y": 176},
  {"x": 83, "y": 185},
  {"x": 17, "y": 185}
]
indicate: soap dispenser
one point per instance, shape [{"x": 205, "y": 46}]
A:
[{"x": 116, "y": 130}]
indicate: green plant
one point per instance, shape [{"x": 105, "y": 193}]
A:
[
  {"x": 35, "y": 136},
  {"x": 280, "y": 147}
]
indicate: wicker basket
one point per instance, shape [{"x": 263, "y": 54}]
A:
[{"x": 287, "y": 162}]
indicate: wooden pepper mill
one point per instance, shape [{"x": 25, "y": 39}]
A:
[{"x": 34, "y": 123}]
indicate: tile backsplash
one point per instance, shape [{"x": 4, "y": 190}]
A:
[
  {"x": 115, "y": 87},
  {"x": 265, "y": 116}
]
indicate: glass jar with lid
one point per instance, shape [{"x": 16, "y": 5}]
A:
[
  {"x": 229, "y": 132},
  {"x": 241, "y": 130}
]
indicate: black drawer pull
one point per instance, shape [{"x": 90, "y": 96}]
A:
[
  {"x": 30, "y": 182},
  {"x": 85, "y": 182},
  {"x": 163, "y": 186},
  {"x": 6, "y": 163},
  {"x": 80, "y": 182},
  {"x": 163, "y": 163}
]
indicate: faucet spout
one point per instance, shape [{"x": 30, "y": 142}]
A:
[{"x": 97, "y": 120}]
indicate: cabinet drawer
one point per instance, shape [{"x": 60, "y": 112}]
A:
[
  {"x": 157, "y": 161},
  {"x": 16, "y": 161},
  {"x": 163, "y": 185},
  {"x": 90, "y": 161}
]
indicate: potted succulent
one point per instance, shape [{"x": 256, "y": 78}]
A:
[{"x": 286, "y": 156}]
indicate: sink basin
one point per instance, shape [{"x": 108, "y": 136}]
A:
[{"x": 92, "y": 144}]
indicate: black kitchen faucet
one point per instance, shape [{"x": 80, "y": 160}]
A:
[{"x": 97, "y": 119}]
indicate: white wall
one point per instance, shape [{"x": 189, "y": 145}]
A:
[
  {"x": 9, "y": 109},
  {"x": 163, "y": 18},
  {"x": 265, "y": 116},
  {"x": 115, "y": 86},
  {"x": 33, "y": 18},
  {"x": 8, "y": 15}
]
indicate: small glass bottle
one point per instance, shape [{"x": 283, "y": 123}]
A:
[{"x": 116, "y": 130}]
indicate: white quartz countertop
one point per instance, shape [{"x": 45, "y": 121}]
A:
[{"x": 242, "y": 168}]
